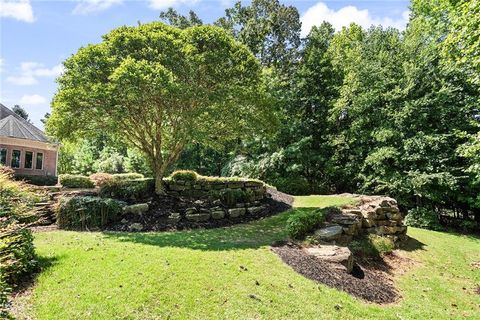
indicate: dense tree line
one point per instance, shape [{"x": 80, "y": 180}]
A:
[{"x": 372, "y": 111}]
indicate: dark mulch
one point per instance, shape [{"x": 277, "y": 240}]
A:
[
  {"x": 156, "y": 219},
  {"x": 368, "y": 281}
]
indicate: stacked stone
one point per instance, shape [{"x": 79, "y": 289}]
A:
[
  {"x": 201, "y": 213},
  {"x": 375, "y": 215},
  {"x": 202, "y": 188}
]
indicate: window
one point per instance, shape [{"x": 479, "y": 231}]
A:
[
  {"x": 28, "y": 159},
  {"x": 39, "y": 162},
  {"x": 3, "y": 157},
  {"x": 16, "y": 158}
]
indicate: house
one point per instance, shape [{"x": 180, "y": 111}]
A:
[{"x": 24, "y": 147}]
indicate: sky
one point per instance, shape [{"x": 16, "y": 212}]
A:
[{"x": 36, "y": 36}]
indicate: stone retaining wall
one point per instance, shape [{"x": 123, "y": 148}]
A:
[
  {"x": 373, "y": 215},
  {"x": 200, "y": 189}
]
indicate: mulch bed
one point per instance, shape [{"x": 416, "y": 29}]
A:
[
  {"x": 156, "y": 219},
  {"x": 370, "y": 279}
]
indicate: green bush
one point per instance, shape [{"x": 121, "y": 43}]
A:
[
  {"x": 75, "y": 181},
  {"x": 38, "y": 180},
  {"x": 86, "y": 212},
  {"x": 17, "y": 254},
  {"x": 423, "y": 218},
  {"x": 292, "y": 185},
  {"x": 128, "y": 189},
  {"x": 305, "y": 221},
  {"x": 231, "y": 197},
  {"x": 184, "y": 175},
  {"x": 128, "y": 176}
]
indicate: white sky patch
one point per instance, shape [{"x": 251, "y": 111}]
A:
[
  {"x": 91, "y": 6},
  {"x": 31, "y": 71},
  {"x": 33, "y": 99},
  {"x": 17, "y": 9},
  {"x": 164, "y": 4},
  {"x": 315, "y": 15}
]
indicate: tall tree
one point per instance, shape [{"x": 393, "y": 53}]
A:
[
  {"x": 270, "y": 29},
  {"x": 20, "y": 111},
  {"x": 173, "y": 18},
  {"x": 159, "y": 88}
]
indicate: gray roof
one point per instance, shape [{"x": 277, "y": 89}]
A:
[{"x": 12, "y": 125}]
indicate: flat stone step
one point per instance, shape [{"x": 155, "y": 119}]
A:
[{"x": 340, "y": 256}]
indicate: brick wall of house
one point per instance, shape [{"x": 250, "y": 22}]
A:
[{"x": 49, "y": 160}]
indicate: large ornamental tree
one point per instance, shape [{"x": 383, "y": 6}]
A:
[{"x": 158, "y": 87}]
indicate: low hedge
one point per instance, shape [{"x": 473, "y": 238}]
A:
[
  {"x": 305, "y": 221},
  {"x": 128, "y": 189},
  {"x": 127, "y": 176},
  {"x": 100, "y": 178},
  {"x": 75, "y": 181},
  {"x": 86, "y": 212},
  {"x": 38, "y": 180}
]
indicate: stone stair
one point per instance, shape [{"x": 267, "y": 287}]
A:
[{"x": 45, "y": 212}]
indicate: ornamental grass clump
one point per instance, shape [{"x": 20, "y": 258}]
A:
[
  {"x": 184, "y": 175},
  {"x": 86, "y": 212}
]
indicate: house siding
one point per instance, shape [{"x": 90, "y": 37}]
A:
[{"x": 49, "y": 160}]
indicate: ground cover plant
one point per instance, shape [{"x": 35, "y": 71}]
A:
[{"x": 169, "y": 274}]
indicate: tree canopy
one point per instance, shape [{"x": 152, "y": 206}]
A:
[{"x": 159, "y": 88}]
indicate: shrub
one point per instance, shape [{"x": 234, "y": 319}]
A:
[
  {"x": 100, "y": 178},
  {"x": 292, "y": 185},
  {"x": 128, "y": 176},
  {"x": 17, "y": 255},
  {"x": 303, "y": 222},
  {"x": 38, "y": 180},
  {"x": 7, "y": 171},
  {"x": 128, "y": 189},
  {"x": 423, "y": 218},
  {"x": 86, "y": 212},
  {"x": 231, "y": 197},
  {"x": 469, "y": 225},
  {"x": 75, "y": 181},
  {"x": 184, "y": 175}
]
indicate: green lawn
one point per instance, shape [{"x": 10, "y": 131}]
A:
[
  {"x": 214, "y": 273},
  {"x": 315, "y": 201}
]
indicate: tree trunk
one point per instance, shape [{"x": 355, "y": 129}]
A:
[{"x": 159, "y": 188}]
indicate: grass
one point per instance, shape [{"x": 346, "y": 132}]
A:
[
  {"x": 315, "y": 201},
  {"x": 230, "y": 273}
]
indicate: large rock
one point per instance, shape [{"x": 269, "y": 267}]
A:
[
  {"x": 236, "y": 212},
  {"x": 174, "y": 217},
  {"x": 139, "y": 208},
  {"x": 256, "y": 210},
  {"x": 198, "y": 217},
  {"x": 340, "y": 257},
  {"x": 136, "y": 227},
  {"x": 218, "y": 214},
  {"x": 329, "y": 233}
]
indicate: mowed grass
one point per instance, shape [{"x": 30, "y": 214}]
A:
[
  {"x": 231, "y": 273},
  {"x": 315, "y": 201}
]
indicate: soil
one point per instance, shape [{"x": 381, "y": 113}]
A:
[
  {"x": 156, "y": 219},
  {"x": 371, "y": 279}
]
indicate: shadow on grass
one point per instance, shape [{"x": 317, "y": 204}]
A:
[
  {"x": 242, "y": 236},
  {"x": 412, "y": 244},
  {"x": 44, "y": 263}
]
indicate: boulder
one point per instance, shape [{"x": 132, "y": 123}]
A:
[
  {"x": 218, "y": 214},
  {"x": 136, "y": 227},
  {"x": 139, "y": 208},
  {"x": 174, "y": 217},
  {"x": 339, "y": 256},
  {"x": 198, "y": 217},
  {"x": 256, "y": 210},
  {"x": 329, "y": 233},
  {"x": 236, "y": 212}
]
